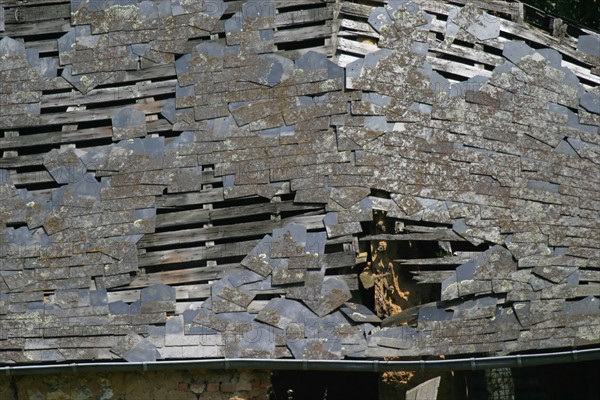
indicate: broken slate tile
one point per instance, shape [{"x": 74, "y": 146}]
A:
[
  {"x": 157, "y": 293},
  {"x": 379, "y": 18},
  {"x": 144, "y": 351},
  {"x": 315, "y": 242},
  {"x": 591, "y": 102},
  {"x": 553, "y": 273},
  {"x": 589, "y": 44},
  {"x": 316, "y": 349},
  {"x": 311, "y": 61},
  {"x": 258, "y": 259},
  {"x": 484, "y": 27},
  {"x": 126, "y": 343},
  {"x": 220, "y": 305},
  {"x": 129, "y": 123},
  {"x": 251, "y": 340},
  {"x": 243, "y": 277},
  {"x": 280, "y": 312},
  {"x": 236, "y": 296},
  {"x": 289, "y": 241},
  {"x": 430, "y": 314},
  {"x": 211, "y": 320},
  {"x": 484, "y": 307},
  {"x": 587, "y": 306},
  {"x": 359, "y": 313},
  {"x": 283, "y": 275},
  {"x": 515, "y": 50},
  {"x": 334, "y": 294}
]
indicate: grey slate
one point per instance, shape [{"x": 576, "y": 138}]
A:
[
  {"x": 334, "y": 293},
  {"x": 359, "y": 313},
  {"x": 591, "y": 102},
  {"x": 379, "y": 18},
  {"x": 589, "y": 44},
  {"x": 280, "y": 312},
  {"x": 515, "y": 50},
  {"x": 157, "y": 293}
]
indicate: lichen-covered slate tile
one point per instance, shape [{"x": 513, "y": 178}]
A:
[
  {"x": 258, "y": 259},
  {"x": 359, "y": 313},
  {"x": 253, "y": 340},
  {"x": 126, "y": 343},
  {"x": 283, "y": 275},
  {"x": 334, "y": 293},
  {"x": 243, "y": 277},
  {"x": 129, "y": 123},
  {"x": 484, "y": 307},
  {"x": 316, "y": 349},
  {"x": 402, "y": 337},
  {"x": 280, "y": 312},
  {"x": 289, "y": 241},
  {"x": 211, "y": 320}
]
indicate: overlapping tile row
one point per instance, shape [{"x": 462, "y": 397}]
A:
[{"x": 508, "y": 157}]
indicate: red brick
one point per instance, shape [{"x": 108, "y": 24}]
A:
[
  {"x": 265, "y": 382},
  {"x": 212, "y": 387},
  {"x": 255, "y": 382},
  {"x": 227, "y": 387}
]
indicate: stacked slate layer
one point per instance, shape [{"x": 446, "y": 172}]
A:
[{"x": 501, "y": 148}]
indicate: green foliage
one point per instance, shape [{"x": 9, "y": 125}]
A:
[{"x": 584, "y": 12}]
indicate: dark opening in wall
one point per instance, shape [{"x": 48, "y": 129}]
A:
[
  {"x": 321, "y": 385},
  {"x": 304, "y": 44},
  {"x": 407, "y": 261}
]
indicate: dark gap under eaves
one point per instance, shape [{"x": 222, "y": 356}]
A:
[
  {"x": 42, "y": 37},
  {"x": 492, "y": 50},
  {"x": 303, "y": 44},
  {"x": 240, "y": 202},
  {"x": 301, "y": 25},
  {"x": 300, "y": 7},
  {"x": 39, "y": 149},
  {"x": 150, "y": 269},
  {"x": 175, "y": 246}
]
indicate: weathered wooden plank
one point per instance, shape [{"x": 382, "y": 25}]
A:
[
  {"x": 291, "y": 18},
  {"x": 432, "y": 276},
  {"x": 591, "y": 289},
  {"x": 363, "y": 27},
  {"x": 304, "y": 33},
  {"x": 444, "y": 235},
  {"x": 189, "y": 254},
  {"x": 181, "y": 218},
  {"x": 408, "y": 316},
  {"x": 355, "y": 47},
  {"x": 356, "y": 10},
  {"x": 21, "y": 161},
  {"x": 239, "y": 230},
  {"x": 43, "y": 12},
  {"x": 452, "y": 260},
  {"x": 187, "y": 199},
  {"x": 466, "y": 53},
  {"x": 38, "y": 28},
  {"x": 202, "y": 291},
  {"x": 97, "y": 114},
  {"x": 72, "y": 137},
  {"x": 427, "y": 390},
  {"x": 589, "y": 276},
  {"x": 126, "y": 92},
  {"x": 467, "y": 71},
  {"x": 214, "y": 272}
]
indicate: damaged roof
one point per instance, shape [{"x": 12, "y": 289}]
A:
[{"x": 187, "y": 179}]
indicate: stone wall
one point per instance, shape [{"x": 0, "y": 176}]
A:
[{"x": 171, "y": 385}]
